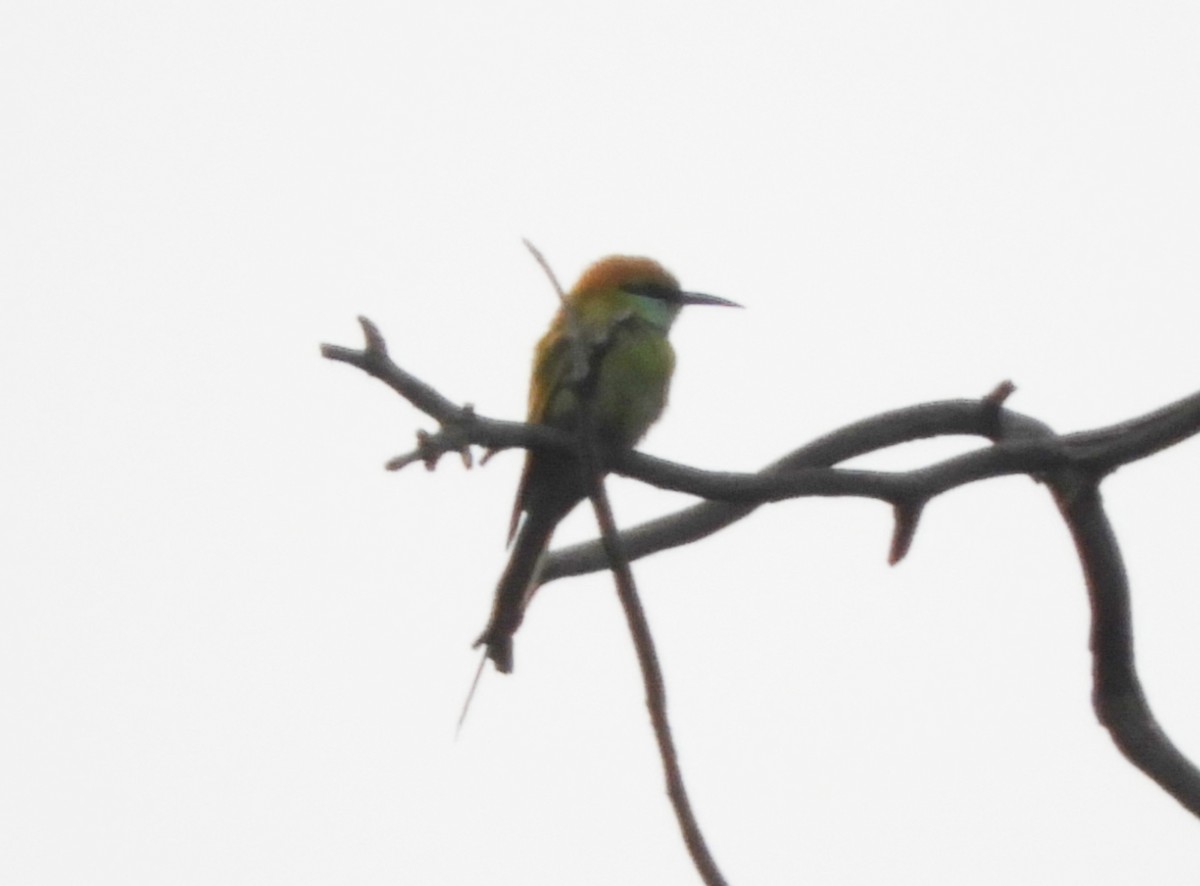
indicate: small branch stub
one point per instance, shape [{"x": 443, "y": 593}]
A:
[
  {"x": 993, "y": 403},
  {"x": 907, "y": 517}
]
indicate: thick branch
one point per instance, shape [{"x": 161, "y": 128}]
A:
[
  {"x": 1026, "y": 447},
  {"x": 1072, "y": 465},
  {"x": 1117, "y": 695},
  {"x": 808, "y": 471}
]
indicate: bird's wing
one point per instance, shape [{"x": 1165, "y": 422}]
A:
[
  {"x": 551, "y": 368},
  {"x": 560, "y": 363}
]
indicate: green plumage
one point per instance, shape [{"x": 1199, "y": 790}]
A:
[{"x": 606, "y": 353}]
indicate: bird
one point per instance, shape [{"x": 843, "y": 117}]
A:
[{"x": 605, "y": 362}]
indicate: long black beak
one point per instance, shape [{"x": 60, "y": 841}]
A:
[{"x": 697, "y": 298}]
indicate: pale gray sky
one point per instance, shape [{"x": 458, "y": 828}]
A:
[{"x": 232, "y": 649}]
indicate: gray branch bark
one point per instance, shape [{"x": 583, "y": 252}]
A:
[{"x": 1072, "y": 466}]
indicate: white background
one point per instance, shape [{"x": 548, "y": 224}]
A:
[{"x": 232, "y": 649}]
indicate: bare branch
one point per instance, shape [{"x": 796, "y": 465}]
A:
[
  {"x": 1026, "y": 446},
  {"x": 652, "y": 678},
  {"x": 1117, "y": 694},
  {"x": 374, "y": 360},
  {"x": 461, "y": 426},
  {"x": 1106, "y": 449},
  {"x": 800, "y": 469},
  {"x": 1072, "y": 466}
]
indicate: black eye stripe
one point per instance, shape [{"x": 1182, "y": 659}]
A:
[{"x": 651, "y": 290}]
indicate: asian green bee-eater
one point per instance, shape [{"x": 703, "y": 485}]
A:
[{"x": 605, "y": 359}]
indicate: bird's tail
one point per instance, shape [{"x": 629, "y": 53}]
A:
[{"x": 512, "y": 593}]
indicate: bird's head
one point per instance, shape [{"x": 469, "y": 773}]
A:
[{"x": 654, "y": 289}]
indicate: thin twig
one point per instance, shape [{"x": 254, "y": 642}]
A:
[
  {"x": 652, "y": 680},
  {"x": 591, "y": 462},
  {"x": 545, "y": 265}
]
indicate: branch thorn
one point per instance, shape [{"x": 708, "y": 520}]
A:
[{"x": 907, "y": 517}]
